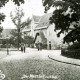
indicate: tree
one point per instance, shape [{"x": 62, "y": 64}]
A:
[
  {"x": 2, "y": 17},
  {"x": 67, "y": 13},
  {"x": 14, "y": 38},
  {"x": 17, "y": 20},
  {"x": 28, "y": 40},
  {"x": 2, "y": 3}
]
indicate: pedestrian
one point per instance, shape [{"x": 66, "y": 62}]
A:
[
  {"x": 24, "y": 48},
  {"x": 21, "y": 47},
  {"x": 49, "y": 45},
  {"x": 41, "y": 46},
  {"x": 38, "y": 41}
]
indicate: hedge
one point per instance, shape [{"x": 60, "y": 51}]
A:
[{"x": 72, "y": 53}]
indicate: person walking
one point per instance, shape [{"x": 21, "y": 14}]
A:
[
  {"x": 21, "y": 47},
  {"x": 38, "y": 41},
  {"x": 24, "y": 48}
]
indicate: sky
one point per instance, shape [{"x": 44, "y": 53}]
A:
[{"x": 30, "y": 7}]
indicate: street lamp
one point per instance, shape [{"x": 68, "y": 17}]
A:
[{"x": 7, "y": 45}]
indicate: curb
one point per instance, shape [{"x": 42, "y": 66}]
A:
[{"x": 63, "y": 61}]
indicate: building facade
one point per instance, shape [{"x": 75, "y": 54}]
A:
[{"x": 40, "y": 24}]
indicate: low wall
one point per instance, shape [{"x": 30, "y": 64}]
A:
[{"x": 72, "y": 53}]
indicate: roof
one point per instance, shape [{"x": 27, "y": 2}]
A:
[
  {"x": 36, "y": 18},
  {"x": 44, "y": 21},
  {"x": 41, "y": 38},
  {"x": 27, "y": 29}
]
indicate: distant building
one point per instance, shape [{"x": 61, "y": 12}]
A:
[
  {"x": 40, "y": 24},
  {"x": 6, "y": 33}
]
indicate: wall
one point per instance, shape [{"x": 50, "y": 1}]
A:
[
  {"x": 56, "y": 42},
  {"x": 43, "y": 35},
  {"x": 33, "y": 25}
]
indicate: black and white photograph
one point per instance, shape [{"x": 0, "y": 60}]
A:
[{"x": 39, "y": 39}]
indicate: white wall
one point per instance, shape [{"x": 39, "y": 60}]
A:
[
  {"x": 33, "y": 25},
  {"x": 52, "y": 36}
]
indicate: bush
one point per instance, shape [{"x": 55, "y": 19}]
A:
[
  {"x": 74, "y": 46},
  {"x": 28, "y": 40},
  {"x": 3, "y": 46},
  {"x": 44, "y": 46},
  {"x": 71, "y": 53}
]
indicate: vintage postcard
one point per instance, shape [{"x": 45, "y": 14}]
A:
[{"x": 39, "y": 40}]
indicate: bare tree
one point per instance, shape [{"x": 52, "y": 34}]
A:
[{"x": 17, "y": 20}]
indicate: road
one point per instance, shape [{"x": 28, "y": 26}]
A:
[{"x": 22, "y": 66}]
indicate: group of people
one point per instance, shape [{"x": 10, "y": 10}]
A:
[
  {"x": 38, "y": 41},
  {"x": 23, "y": 48},
  {"x": 39, "y": 46}
]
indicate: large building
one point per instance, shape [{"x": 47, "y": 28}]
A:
[{"x": 40, "y": 24}]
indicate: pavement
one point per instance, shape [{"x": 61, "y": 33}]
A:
[
  {"x": 56, "y": 56},
  {"x": 49, "y": 61},
  {"x": 44, "y": 54}
]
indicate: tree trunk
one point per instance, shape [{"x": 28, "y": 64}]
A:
[{"x": 18, "y": 37}]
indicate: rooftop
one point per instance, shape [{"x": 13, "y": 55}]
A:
[
  {"x": 44, "y": 21},
  {"x": 36, "y": 18}
]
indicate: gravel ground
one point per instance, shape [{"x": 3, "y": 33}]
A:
[{"x": 35, "y": 62}]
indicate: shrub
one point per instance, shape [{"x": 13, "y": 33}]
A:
[
  {"x": 74, "y": 46},
  {"x": 72, "y": 51},
  {"x": 28, "y": 40},
  {"x": 3, "y": 46},
  {"x": 44, "y": 46}
]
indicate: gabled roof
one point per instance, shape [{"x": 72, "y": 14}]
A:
[
  {"x": 44, "y": 21},
  {"x": 36, "y": 18},
  {"x": 42, "y": 36},
  {"x": 27, "y": 28}
]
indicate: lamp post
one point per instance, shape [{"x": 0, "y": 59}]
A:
[{"x": 7, "y": 45}]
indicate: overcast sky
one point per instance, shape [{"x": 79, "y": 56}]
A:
[{"x": 31, "y": 7}]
